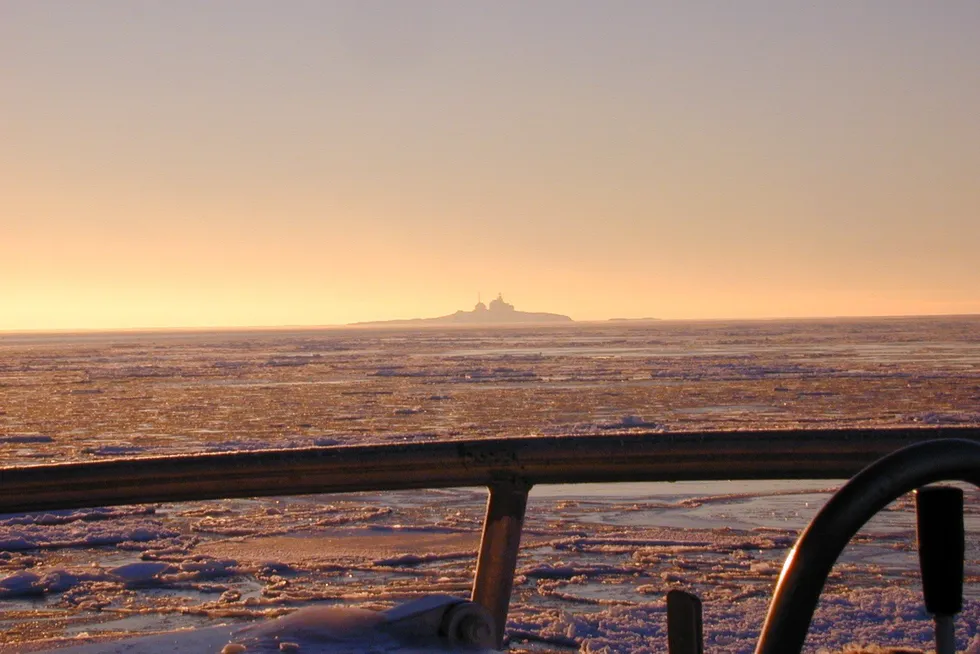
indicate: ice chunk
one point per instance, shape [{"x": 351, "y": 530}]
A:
[
  {"x": 141, "y": 573},
  {"x": 21, "y": 584}
]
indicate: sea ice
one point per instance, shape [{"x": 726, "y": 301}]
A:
[{"x": 595, "y": 563}]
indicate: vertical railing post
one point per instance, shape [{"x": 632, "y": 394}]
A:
[{"x": 498, "y": 551}]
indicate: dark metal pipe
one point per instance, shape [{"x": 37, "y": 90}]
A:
[
  {"x": 685, "y": 628},
  {"x": 788, "y": 454},
  {"x": 499, "y": 547},
  {"x": 810, "y": 561}
]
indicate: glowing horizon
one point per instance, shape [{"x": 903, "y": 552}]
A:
[{"x": 242, "y": 164}]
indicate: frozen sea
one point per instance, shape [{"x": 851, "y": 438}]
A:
[{"x": 596, "y": 561}]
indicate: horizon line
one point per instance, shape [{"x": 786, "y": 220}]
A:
[{"x": 407, "y": 324}]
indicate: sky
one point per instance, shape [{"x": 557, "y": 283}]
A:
[{"x": 189, "y": 163}]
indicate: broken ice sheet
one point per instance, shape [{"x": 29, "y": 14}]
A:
[{"x": 595, "y": 562}]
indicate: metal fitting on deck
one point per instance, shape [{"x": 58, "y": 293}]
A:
[{"x": 460, "y": 624}]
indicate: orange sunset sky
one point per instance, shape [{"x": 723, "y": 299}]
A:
[{"x": 251, "y": 163}]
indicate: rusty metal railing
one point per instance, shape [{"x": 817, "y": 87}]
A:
[{"x": 509, "y": 467}]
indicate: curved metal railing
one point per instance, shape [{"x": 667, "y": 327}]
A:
[{"x": 509, "y": 467}]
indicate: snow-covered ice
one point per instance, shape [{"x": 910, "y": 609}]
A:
[{"x": 596, "y": 561}]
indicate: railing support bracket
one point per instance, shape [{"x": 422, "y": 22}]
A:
[{"x": 498, "y": 551}]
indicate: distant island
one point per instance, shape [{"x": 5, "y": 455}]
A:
[{"x": 498, "y": 313}]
